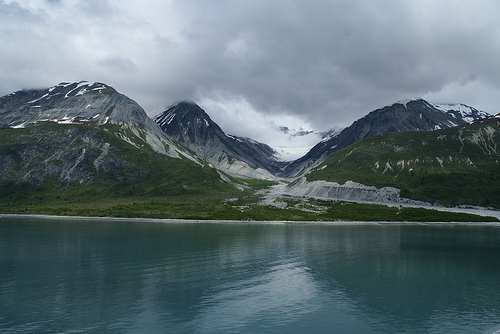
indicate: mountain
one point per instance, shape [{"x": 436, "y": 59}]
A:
[
  {"x": 409, "y": 115},
  {"x": 454, "y": 166},
  {"x": 191, "y": 127},
  {"x": 82, "y": 148},
  {"x": 85, "y": 133},
  {"x": 86, "y": 103}
]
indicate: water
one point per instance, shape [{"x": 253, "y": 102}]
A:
[{"x": 61, "y": 276}]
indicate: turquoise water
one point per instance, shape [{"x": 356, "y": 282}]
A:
[{"x": 61, "y": 276}]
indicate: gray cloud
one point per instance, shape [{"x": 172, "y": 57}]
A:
[
  {"x": 118, "y": 63},
  {"x": 322, "y": 62}
]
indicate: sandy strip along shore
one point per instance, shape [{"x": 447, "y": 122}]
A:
[{"x": 268, "y": 222}]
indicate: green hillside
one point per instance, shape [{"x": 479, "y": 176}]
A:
[
  {"x": 457, "y": 166},
  {"x": 82, "y": 170},
  {"x": 74, "y": 169}
]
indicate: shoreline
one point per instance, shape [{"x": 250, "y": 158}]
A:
[{"x": 241, "y": 222}]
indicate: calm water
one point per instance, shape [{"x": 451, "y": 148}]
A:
[{"x": 122, "y": 277}]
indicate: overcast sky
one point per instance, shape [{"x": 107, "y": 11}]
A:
[{"x": 310, "y": 63}]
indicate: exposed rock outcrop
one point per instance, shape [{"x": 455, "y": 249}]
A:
[{"x": 411, "y": 115}]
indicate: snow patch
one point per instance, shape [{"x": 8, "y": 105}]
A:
[
  {"x": 20, "y": 126},
  {"x": 40, "y": 98},
  {"x": 80, "y": 84},
  {"x": 463, "y": 111}
]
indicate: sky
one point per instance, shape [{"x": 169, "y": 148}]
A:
[{"x": 255, "y": 65}]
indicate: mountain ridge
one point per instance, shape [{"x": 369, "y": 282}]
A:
[
  {"x": 409, "y": 115},
  {"x": 84, "y": 102},
  {"x": 453, "y": 166},
  {"x": 192, "y": 127},
  {"x": 82, "y": 142},
  {"x": 184, "y": 129}
]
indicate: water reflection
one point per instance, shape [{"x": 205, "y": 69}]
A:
[
  {"x": 207, "y": 278},
  {"x": 264, "y": 300}
]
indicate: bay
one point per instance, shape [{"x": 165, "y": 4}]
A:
[{"x": 91, "y": 276}]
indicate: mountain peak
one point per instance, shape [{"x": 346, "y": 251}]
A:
[
  {"x": 187, "y": 103},
  {"x": 187, "y": 122},
  {"x": 407, "y": 115},
  {"x": 69, "y": 102},
  {"x": 406, "y": 101},
  {"x": 460, "y": 113}
]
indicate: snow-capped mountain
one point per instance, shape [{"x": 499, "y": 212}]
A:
[
  {"x": 85, "y": 103},
  {"x": 454, "y": 166},
  {"x": 460, "y": 112},
  {"x": 186, "y": 130},
  {"x": 85, "y": 133},
  {"x": 190, "y": 126},
  {"x": 64, "y": 103},
  {"x": 408, "y": 115}
]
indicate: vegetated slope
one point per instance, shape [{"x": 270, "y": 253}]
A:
[
  {"x": 86, "y": 143},
  {"x": 456, "y": 166},
  {"x": 84, "y": 149},
  {"x": 411, "y": 115},
  {"x": 65, "y": 156},
  {"x": 191, "y": 127}
]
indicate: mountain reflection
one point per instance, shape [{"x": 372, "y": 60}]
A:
[{"x": 140, "y": 277}]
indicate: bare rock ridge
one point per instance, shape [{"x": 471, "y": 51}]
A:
[
  {"x": 85, "y": 103},
  {"x": 411, "y": 115},
  {"x": 77, "y": 102},
  {"x": 191, "y": 126},
  {"x": 78, "y": 133},
  {"x": 185, "y": 130}
]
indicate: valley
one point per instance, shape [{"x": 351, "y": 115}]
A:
[{"x": 83, "y": 149}]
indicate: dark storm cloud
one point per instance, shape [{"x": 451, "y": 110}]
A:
[
  {"x": 338, "y": 60},
  {"x": 322, "y": 62}
]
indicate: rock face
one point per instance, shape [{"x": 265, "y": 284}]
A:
[
  {"x": 412, "y": 115},
  {"x": 191, "y": 127},
  {"x": 64, "y": 154},
  {"x": 66, "y": 103},
  {"x": 183, "y": 130},
  {"x": 454, "y": 166},
  {"x": 79, "y": 132},
  {"x": 85, "y": 103}
]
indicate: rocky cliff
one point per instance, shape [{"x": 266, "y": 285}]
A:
[{"x": 411, "y": 115}]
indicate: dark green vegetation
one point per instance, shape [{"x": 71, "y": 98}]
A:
[
  {"x": 76, "y": 202},
  {"x": 92, "y": 171},
  {"x": 454, "y": 166},
  {"x": 80, "y": 169}
]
